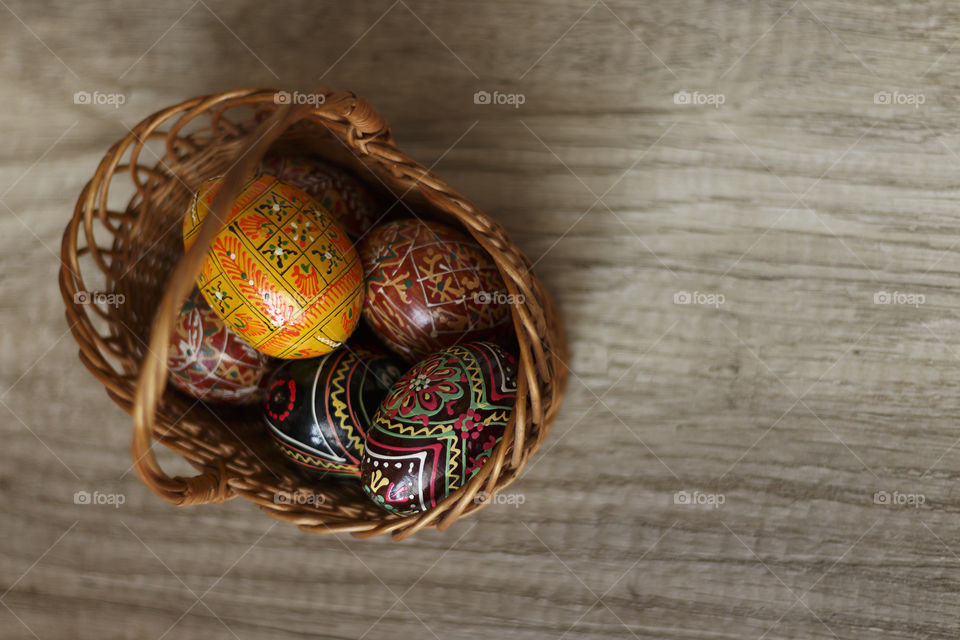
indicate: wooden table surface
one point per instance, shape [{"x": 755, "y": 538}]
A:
[{"x": 747, "y": 213}]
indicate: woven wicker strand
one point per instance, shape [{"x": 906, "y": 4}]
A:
[{"x": 144, "y": 262}]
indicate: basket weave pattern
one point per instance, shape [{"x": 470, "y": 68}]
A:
[{"x": 137, "y": 253}]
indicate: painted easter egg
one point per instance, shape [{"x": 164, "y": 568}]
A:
[
  {"x": 437, "y": 426},
  {"x": 337, "y": 190},
  {"x": 319, "y": 410},
  {"x": 209, "y": 361},
  {"x": 429, "y": 286},
  {"x": 282, "y": 274}
]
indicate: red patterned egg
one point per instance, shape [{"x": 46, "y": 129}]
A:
[
  {"x": 438, "y": 425},
  {"x": 319, "y": 410},
  {"x": 209, "y": 361},
  {"x": 339, "y": 192},
  {"x": 283, "y": 274},
  {"x": 429, "y": 286}
]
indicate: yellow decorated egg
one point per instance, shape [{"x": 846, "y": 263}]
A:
[{"x": 282, "y": 274}]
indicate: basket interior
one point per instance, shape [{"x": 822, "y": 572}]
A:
[{"x": 146, "y": 248}]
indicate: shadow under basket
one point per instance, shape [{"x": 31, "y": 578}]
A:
[{"x": 133, "y": 254}]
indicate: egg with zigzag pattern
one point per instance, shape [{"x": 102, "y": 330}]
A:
[
  {"x": 318, "y": 411},
  {"x": 438, "y": 426}
]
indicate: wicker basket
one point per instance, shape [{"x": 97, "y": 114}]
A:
[{"x": 135, "y": 251}]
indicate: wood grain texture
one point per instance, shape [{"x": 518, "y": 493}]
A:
[{"x": 801, "y": 200}]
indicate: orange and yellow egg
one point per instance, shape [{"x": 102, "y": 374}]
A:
[{"x": 283, "y": 274}]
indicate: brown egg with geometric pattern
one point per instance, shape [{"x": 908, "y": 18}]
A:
[
  {"x": 430, "y": 286},
  {"x": 209, "y": 361}
]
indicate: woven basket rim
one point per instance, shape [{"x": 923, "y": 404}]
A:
[{"x": 352, "y": 121}]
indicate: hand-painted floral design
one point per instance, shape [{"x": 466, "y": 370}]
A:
[
  {"x": 337, "y": 190},
  {"x": 441, "y": 422},
  {"x": 280, "y": 251},
  {"x": 328, "y": 255},
  {"x": 469, "y": 424},
  {"x": 256, "y": 227},
  {"x": 431, "y": 386},
  {"x": 275, "y": 207},
  {"x": 306, "y": 280},
  {"x": 222, "y": 300},
  {"x": 475, "y": 462},
  {"x": 260, "y": 278},
  {"x": 301, "y": 230}
]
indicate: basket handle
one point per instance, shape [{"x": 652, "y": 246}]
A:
[{"x": 211, "y": 485}]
